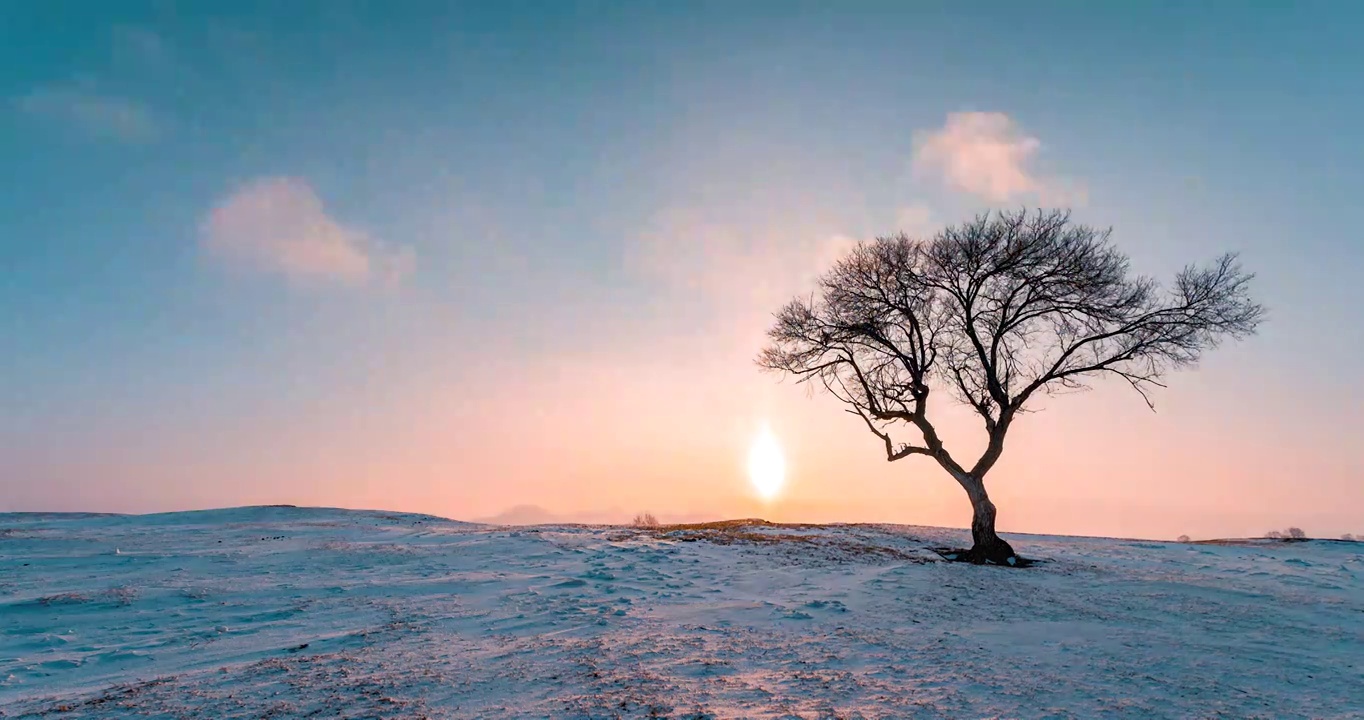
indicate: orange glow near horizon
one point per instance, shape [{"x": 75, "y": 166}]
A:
[
  {"x": 645, "y": 414},
  {"x": 623, "y": 406}
]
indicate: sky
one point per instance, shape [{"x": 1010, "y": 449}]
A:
[{"x": 458, "y": 257}]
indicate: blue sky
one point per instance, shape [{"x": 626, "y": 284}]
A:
[{"x": 510, "y": 192}]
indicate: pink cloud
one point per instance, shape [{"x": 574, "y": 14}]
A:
[
  {"x": 737, "y": 273},
  {"x": 988, "y": 155},
  {"x": 280, "y": 225},
  {"x": 916, "y": 220}
]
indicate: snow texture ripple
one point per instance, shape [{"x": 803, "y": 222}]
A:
[{"x": 304, "y": 612}]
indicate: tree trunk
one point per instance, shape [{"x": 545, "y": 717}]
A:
[{"x": 987, "y": 546}]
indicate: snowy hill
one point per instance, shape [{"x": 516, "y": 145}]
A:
[{"x": 292, "y": 612}]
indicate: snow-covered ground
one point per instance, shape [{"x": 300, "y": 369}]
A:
[{"x": 284, "y": 613}]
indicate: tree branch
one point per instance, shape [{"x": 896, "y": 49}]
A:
[
  {"x": 998, "y": 309},
  {"x": 892, "y": 454}
]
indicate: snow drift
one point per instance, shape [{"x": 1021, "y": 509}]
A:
[{"x": 291, "y": 612}]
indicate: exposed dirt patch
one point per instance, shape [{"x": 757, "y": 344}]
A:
[
  {"x": 821, "y": 545},
  {"x": 1252, "y": 542},
  {"x": 66, "y": 598}
]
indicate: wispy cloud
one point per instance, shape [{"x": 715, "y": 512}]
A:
[
  {"x": 142, "y": 55},
  {"x": 107, "y": 116},
  {"x": 988, "y": 155},
  {"x": 135, "y": 43},
  {"x": 279, "y": 224}
]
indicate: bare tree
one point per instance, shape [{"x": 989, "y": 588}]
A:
[
  {"x": 1295, "y": 533},
  {"x": 1183, "y": 538},
  {"x": 996, "y": 311},
  {"x": 1347, "y": 537},
  {"x": 1274, "y": 535}
]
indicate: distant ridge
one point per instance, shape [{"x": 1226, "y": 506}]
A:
[
  {"x": 75, "y": 515},
  {"x": 238, "y": 514}
]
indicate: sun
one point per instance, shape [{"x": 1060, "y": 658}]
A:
[{"x": 766, "y": 466}]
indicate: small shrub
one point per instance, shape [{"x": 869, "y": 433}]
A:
[
  {"x": 1183, "y": 538},
  {"x": 645, "y": 520},
  {"x": 1295, "y": 533}
]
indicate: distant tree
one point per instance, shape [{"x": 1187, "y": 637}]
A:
[
  {"x": 645, "y": 520},
  {"x": 1347, "y": 537},
  {"x": 1295, "y": 533},
  {"x": 1183, "y": 538},
  {"x": 1274, "y": 535},
  {"x": 996, "y": 311}
]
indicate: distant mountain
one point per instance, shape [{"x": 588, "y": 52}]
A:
[
  {"x": 535, "y": 515},
  {"x": 522, "y": 515}
]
